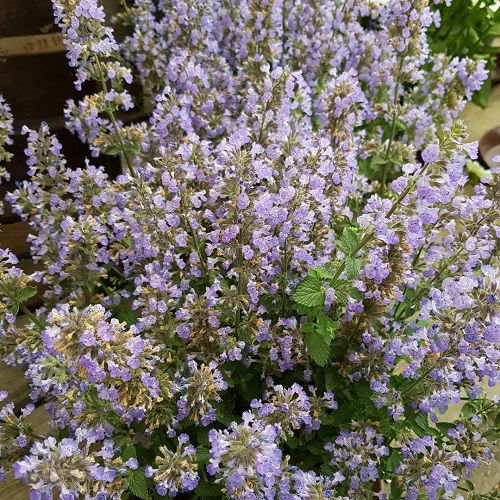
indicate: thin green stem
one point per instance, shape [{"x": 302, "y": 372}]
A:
[
  {"x": 126, "y": 7},
  {"x": 108, "y": 292},
  {"x": 117, "y": 271},
  {"x": 196, "y": 242},
  {"x": 239, "y": 264},
  {"x": 197, "y": 248},
  {"x": 413, "y": 266},
  {"x": 116, "y": 127},
  {"x": 285, "y": 280},
  {"x": 418, "y": 380},
  {"x": 436, "y": 278},
  {"x": 369, "y": 236},
  {"x": 393, "y": 127},
  {"x": 23, "y": 307},
  {"x": 33, "y": 318}
]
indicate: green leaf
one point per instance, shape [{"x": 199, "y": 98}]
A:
[
  {"x": 26, "y": 293},
  {"x": 137, "y": 484},
  {"x": 355, "y": 293},
  {"x": 14, "y": 308},
  {"x": 468, "y": 410},
  {"x": 224, "y": 414},
  {"x": 341, "y": 296},
  {"x": 394, "y": 459},
  {"x": 112, "y": 150},
  {"x": 482, "y": 96},
  {"x": 117, "y": 149},
  {"x": 316, "y": 447},
  {"x": 420, "y": 425},
  {"x": 349, "y": 241},
  {"x": 495, "y": 31},
  {"x": 396, "y": 489},
  {"x": 332, "y": 379},
  {"x": 352, "y": 268},
  {"x": 208, "y": 490},
  {"x": 444, "y": 427},
  {"x": 325, "y": 273},
  {"x": 469, "y": 484},
  {"x": 202, "y": 455},
  {"x": 329, "y": 419},
  {"x": 310, "y": 292},
  {"x": 129, "y": 452},
  {"x": 400, "y": 125},
  {"x": 326, "y": 327},
  {"x": 327, "y": 470},
  {"x": 476, "y": 170},
  {"x": 318, "y": 347},
  {"x": 378, "y": 160},
  {"x": 307, "y": 311},
  {"x": 307, "y": 327},
  {"x": 202, "y": 436},
  {"x": 126, "y": 315},
  {"x": 292, "y": 442}
]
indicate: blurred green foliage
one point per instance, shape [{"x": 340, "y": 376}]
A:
[{"x": 467, "y": 28}]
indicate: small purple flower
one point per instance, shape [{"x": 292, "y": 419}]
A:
[{"x": 430, "y": 153}]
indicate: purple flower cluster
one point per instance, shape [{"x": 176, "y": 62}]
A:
[
  {"x": 248, "y": 457},
  {"x": 355, "y": 453},
  {"x": 438, "y": 469},
  {"x": 175, "y": 471},
  {"x": 291, "y": 409},
  {"x": 201, "y": 387},
  {"x": 6, "y": 130}
]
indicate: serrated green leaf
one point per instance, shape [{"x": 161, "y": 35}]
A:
[
  {"x": 378, "y": 160},
  {"x": 349, "y": 241},
  {"x": 393, "y": 460},
  {"x": 331, "y": 379},
  {"x": 325, "y": 333},
  {"x": 202, "y": 436},
  {"x": 310, "y": 292},
  {"x": 307, "y": 327},
  {"x": 421, "y": 427},
  {"x": 129, "y": 452},
  {"x": 396, "y": 489},
  {"x": 317, "y": 347},
  {"x": 324, "y": 273},
  {"x": 26, "y": 293},
  {"x": 341, "y": 296},
  {"x": 351, "y": 268},
  {"x": 137, "y": 484},
  {"x": 468, "y": 410},
  {"x": 326, "y": 327},
  {"x": 444, "y": 427},
  {"x": 14, "y": 308},
  {"x": 126, "y": 315},
  {"x": 202, "y": 455},
  {"x": 208, "y": 490},
  {"x": 355, "y": 293}
]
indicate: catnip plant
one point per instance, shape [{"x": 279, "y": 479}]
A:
[{"x": 289, "y": 283}]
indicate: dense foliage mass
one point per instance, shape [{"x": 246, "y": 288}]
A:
[{"x": 289, "y": 282}]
